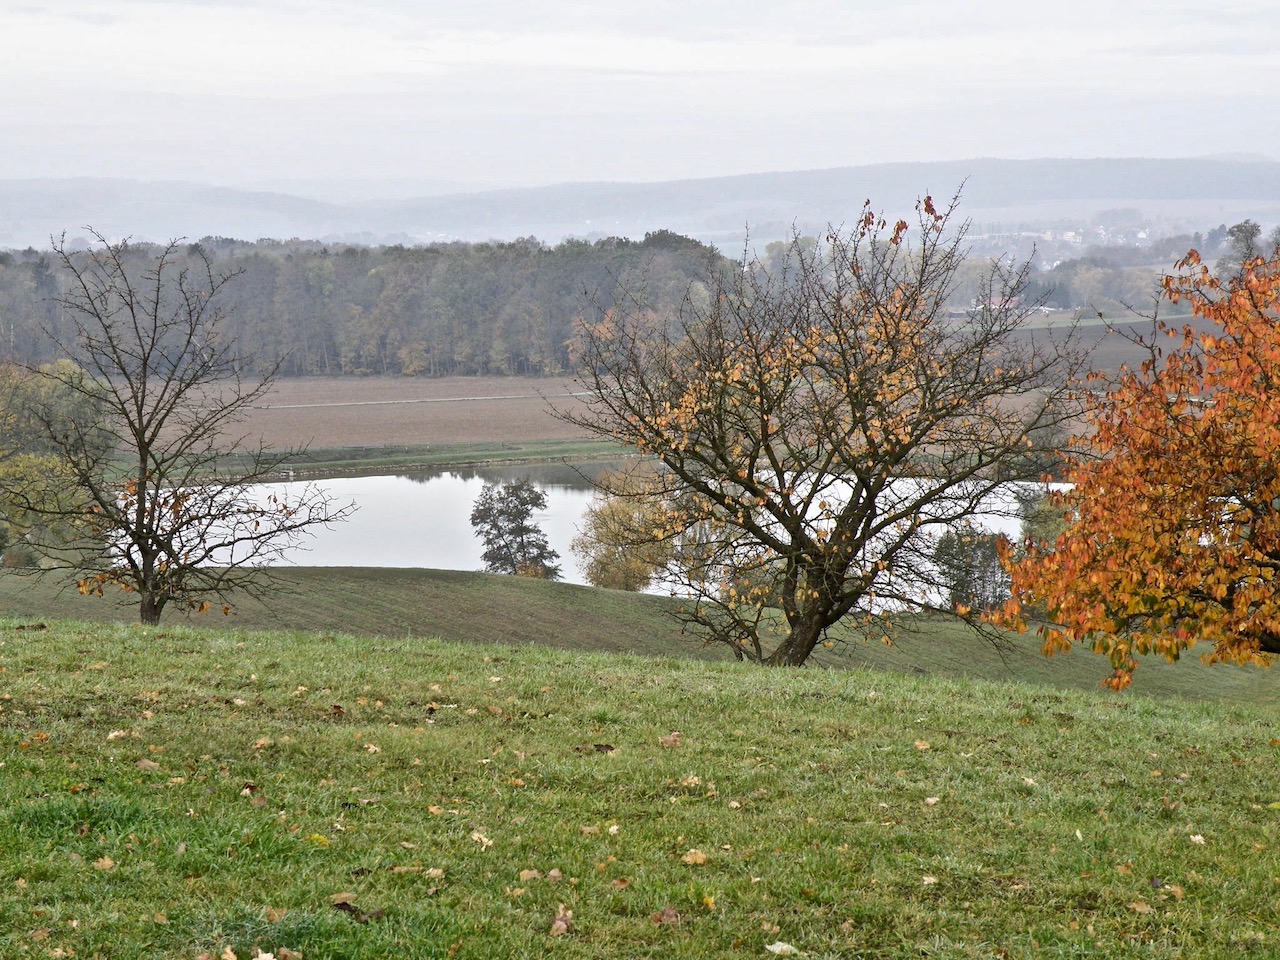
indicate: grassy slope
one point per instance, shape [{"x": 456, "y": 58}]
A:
[
  {"x": 480, "y": 607},
  {"x": 172, "y": 793}
]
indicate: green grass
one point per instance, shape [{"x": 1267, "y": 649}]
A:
[
  {"x": 178, "y": 791},
  {"x": 463, "y": 606},
  {"x": 343, "y": 461}
]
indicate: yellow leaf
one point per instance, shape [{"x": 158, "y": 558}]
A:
[{"x": 695, "y": 857}]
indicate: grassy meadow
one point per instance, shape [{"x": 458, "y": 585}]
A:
[
  {"x": 478, "y": 607},
  {"x": 395, "y": 763},
  {"x": 181, "y": 792}
]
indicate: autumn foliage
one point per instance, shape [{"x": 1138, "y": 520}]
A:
[
  {"x": 820, "y": 423},
  {"x": 1174, "y": 517}
]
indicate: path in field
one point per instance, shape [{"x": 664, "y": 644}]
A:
[{"x": 377, "y": 403}]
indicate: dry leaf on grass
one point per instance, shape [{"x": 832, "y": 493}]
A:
[
  {"x": 667, "y": 916},
  {"x": 671, "y": 740},
  {"x": 783, "y": 949},
  {"x": 562, "y": 923},
  {"x": 695, "y": 857}
]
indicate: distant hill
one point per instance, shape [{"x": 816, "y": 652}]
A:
[{"x": 999, "y": 196}]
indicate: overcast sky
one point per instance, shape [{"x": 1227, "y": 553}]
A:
[{"x": 517, "y": 92}]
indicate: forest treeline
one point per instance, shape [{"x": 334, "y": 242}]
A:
[
  {"x": 439, "y": 310},
  {"x": 450, "y": 309}
]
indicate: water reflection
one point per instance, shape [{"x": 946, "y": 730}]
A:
[{"x": 423, "y": 519}]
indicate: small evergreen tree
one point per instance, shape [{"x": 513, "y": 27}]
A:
[{"x": 503, "y": 518}]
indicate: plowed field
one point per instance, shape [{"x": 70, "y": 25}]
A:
[{"x": 329, "y": 412}]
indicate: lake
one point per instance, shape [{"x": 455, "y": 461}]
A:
[{"x": 424, "y": 519}]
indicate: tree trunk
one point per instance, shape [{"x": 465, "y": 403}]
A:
[
  {"x": 149, "y": 609},
  {"x": 795, "y": 650}
]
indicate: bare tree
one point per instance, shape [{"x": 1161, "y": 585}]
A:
[
  {"x": 165, "y": 497},
  {"x": 822, "y": 424}
]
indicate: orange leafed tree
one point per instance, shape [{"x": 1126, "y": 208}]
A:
[{"x": 1174, "y": 518}]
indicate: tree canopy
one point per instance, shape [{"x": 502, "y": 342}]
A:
[
  {"x": 1172, "y": 533},
  {"x": 822, "y": 422},
  {"x": 157, "y": 493},
  {"x": 513, "y": 542}
]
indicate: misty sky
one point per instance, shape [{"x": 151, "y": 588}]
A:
[{"x": 518, "y": 92}]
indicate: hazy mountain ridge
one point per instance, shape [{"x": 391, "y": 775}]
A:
[{"x": 1180, "y": 194}]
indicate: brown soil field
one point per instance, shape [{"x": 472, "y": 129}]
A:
[{"x": 329, "y": 412}]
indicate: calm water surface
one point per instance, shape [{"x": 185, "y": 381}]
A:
[{"x": 424, "y": 519}]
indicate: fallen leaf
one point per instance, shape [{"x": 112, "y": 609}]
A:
[
  {"x": 671, "y": 740},
  {"x": 1140, "y": 906},
  {"x": 261, "y": 743},
  {"x": 554, "y": 875},
  {"x": 1196, "y": 838},
  {"x": 358, "y": 915},
  {"x": 589, "y": 831},
  {"x": 783, "y": 949},
  {"x": 620, "y": 884},
  {"x": 928, "y": 881},
  {"x": 922, "y": 744},
  {"x": 145, "y": 764},
  {"x": 275, "y": 914},
  {"x": 480, "y": 838},
  {"x": 695, "y": 857},
  {"x": 527, "y": 875},
  {"x": 159, "y": 918},
  {"x": 667, "y": 916},
  {"x": 104, "y": 863},
  {"x": 562, "y": 922},
  {"x": 930, "y": 801}
]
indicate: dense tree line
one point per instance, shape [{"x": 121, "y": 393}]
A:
[
  {"x": 438, "y": 310},
  {"x": 508, "y": 308}
]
